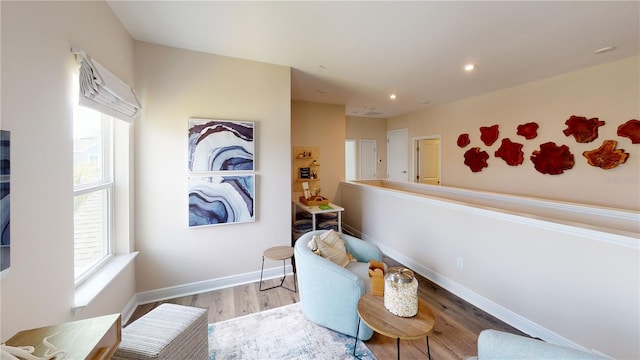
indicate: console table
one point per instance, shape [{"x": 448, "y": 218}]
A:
[
  {"x": 94, "y": 339},
  {"x": 314, "y": 210}
]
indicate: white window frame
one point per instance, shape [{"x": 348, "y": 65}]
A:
[{"x": 106, "y": 183}]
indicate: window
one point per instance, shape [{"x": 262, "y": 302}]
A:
[{"x": 93, "y": 190}]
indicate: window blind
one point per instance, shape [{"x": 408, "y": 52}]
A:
[{"x": 101, "y": 90}]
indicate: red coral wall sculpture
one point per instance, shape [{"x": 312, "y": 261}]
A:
[
  {"x": 528, "y": 130},
  {"x": 606, "y": 156},
  {"x": 475, "y": 159},
  {"x": 510, "y": 152},
  {"x": 489, "y": 135},
  {"x": 631, "y": 130},
  {"x": 552, "y": 159},
  {"x": 583, "y": 130}
]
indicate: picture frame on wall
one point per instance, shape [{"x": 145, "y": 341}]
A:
[
  {"x": 221, "y": 146},
  {"x": 216, "y": 200},
  {"x": 5, "y": 190}
]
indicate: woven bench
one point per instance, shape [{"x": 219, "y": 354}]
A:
[{"x": 168, "y": 332}]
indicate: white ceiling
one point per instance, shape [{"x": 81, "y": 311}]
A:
[{"x": 358, "y": 53}]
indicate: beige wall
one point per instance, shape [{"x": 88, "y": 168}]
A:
[
  {"x": 321, "y": 125},
  {"x": 37, "y": 68},
  {"x": 174, "y": 85},
  {"x": 610, "y": 92},
  {"x": 361, "y": 128}
]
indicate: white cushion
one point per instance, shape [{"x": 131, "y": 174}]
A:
[{"x": 331, "y": 247}]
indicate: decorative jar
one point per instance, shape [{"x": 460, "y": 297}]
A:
[{"x": 401, "y": 292}]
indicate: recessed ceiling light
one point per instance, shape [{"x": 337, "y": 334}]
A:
[
  {"x": 605, "y": 49},
  {"x": 469, "y": 67},
  {"x": 392, "y": 96}
]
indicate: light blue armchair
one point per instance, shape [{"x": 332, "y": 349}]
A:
[
  {"x": 498, "y": 345},
  {"x": 329, "y": 293}
]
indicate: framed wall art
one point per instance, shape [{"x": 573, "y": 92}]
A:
[
  {"x": 221, "y": 164},
  {"x": 215, "y": 200},
  {"x": 221, "y": 145},
  {"x": 5, "y": 181}
]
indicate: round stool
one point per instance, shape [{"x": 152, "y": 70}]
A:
[{"x": 279, "y": 253}]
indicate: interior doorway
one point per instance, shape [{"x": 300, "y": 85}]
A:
[
  {"x": 426, "y": 160},
  {"x": 350, "y": 159}
]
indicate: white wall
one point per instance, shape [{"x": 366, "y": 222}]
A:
[
  {"x": 37, "y": 66},
  {"x": 174, "y": 85},
  {"x": 610, "y": 92},
  {"x": 568, "y": 285}
]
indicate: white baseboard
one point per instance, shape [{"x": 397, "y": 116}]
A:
[
  {"x": 171, "y": 292},
  {"x": 500, "y": 312}
]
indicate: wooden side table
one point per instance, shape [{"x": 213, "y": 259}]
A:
[
  {"x": 279, "y": 253},
  {"x": 95, "y": 338},
  {"x": 372, "y": 311}
]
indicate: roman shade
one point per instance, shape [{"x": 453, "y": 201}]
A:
[{"x": 101, "y": 90}]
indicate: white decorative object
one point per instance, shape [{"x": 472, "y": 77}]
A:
[
  {"x": 26, "y": 352},
  {"x": 401, "y": 292}
]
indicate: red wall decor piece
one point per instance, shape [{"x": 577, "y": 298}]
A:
[
  {"x": 510, "y": 152},
  {"x": 552, "y": 159},
  {"x": 630, "y": 129},
  {"x": 475, "y": 159},
  {"x": 528, "y": 130},
  {"x": 583, "y": 130},
  {"x": 463, "y": 140},
  {"x": 489, "y": 135},
  {"x": 606, "y": 156}
]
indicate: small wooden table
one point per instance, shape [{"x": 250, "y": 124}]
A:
[
  {"x": 372, "y": 311},
  {"x": 95, "y": 338},
  {"x": 279, "y": 253}
]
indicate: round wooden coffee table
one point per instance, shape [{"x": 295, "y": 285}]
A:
[{"x": 372, "y": 311}]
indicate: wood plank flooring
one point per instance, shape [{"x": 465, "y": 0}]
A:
[{"x": 455, "y": 335}]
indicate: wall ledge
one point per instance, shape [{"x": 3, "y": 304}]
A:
[{"x": 614, "y": 226}]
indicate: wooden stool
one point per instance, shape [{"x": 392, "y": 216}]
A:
[{"x": 279, "y": 253}]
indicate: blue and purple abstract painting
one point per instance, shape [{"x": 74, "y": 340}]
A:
[
  {"x": 217, "y": 200},
  {"x": 220, "y": 145},
  {"x": 5, "y": 177}
]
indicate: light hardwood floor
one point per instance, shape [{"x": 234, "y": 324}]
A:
[{"x": 455, "y": 334}]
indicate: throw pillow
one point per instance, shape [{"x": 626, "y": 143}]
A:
[
  {"x": 331, "y": 247},
  {"x": 313, "y": 245}
]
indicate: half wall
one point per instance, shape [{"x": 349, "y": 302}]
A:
[{"x": 566, "y": 273}]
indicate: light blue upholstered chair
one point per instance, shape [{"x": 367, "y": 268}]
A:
[
  {"x": 498, "y": 345},
  {"x": 329, "y": 293}
]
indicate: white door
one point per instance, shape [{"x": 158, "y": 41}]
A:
[
  {"x": 398, "y": 155},
  {"x": 428, "y": 154},
  {"x": 368, "y": 156}
]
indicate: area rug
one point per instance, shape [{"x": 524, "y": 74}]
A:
[{"x": 281, "y": 333}]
